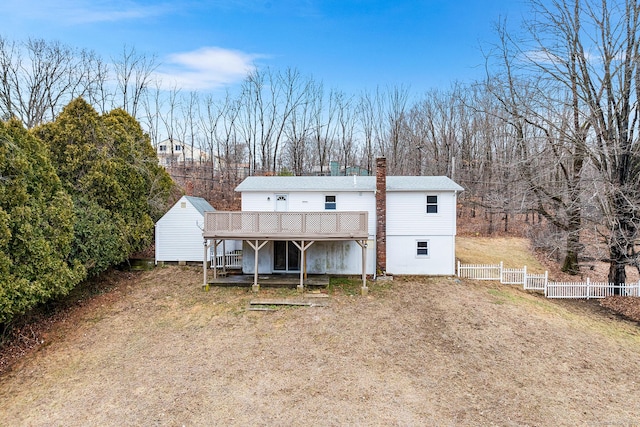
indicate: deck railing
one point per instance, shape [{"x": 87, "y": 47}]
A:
[
  {"x": 287, "y": 225},
  {"x": 232, "y": 260}
]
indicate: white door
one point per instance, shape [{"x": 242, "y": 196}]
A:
[{"x": 281, "y": 202}]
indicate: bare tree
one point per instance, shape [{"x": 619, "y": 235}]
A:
[
  {"x": 169, "y": 119},
  {"x": 39, "y": 78},
  {"x": 268, "y": 99},
  {"x": 133, "y": 71},
  {"x": 153, "y": 105},
  {"x": 589, "y": 51},
  {"x": 298, "y": 133},
  {"x": 367, "y": 119},
  {"x": 345, "y": 134},
  {"x": 550, "y": 131},
  {"x": 392, "y": 110},
  {"x": 323, "y": 126}
]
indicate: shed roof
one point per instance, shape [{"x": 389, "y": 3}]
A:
[
  {"x": 346, "y": 183},
  {"x": 200, "y": 204}
]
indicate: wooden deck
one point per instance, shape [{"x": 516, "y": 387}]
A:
[
  {"x": 271, "y": 280},
  {"x": 307, "y": 226}
]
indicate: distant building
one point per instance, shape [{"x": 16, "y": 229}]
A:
[
  {"x": 172, "y": 152},
  {"x": 334, "y": 169}
]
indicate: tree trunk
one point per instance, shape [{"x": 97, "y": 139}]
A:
[{"x": 570, "y": 264}]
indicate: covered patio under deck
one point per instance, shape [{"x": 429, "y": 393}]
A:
[
  {"x": 271, "y": 280},
  {"x": 303, "y": 229}
]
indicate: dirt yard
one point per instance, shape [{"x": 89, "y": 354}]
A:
[{"x": 158, "y": 350}]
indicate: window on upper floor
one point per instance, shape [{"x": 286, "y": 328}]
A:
[
  {"x": 177, "y": 148},
  {"x": 432, "y": 204},
  {"x": 422, "y": 248},
  {"x": 330, "y": 203},
  {"x": 162, "y": 148}
]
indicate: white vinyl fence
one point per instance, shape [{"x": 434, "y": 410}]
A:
[
  {"x": 540, "y": 282},
  {"x": 507, "y": 276},
  {"x": 480, "y": 271},
  {"x": 590, "y": 289}
]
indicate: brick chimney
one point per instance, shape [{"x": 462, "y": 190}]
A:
[
  {"x": 381, "y": 214},
  {"x": 188, "y": 191}
]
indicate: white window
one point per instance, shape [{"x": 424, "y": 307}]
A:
[
  {"x": 432, "y": 204},
  {"x": 330, "y": 203},
  {"x": 177, "y": 148},
  {"x": 422, "y": 248},
  {"x": 162, "y": 148}
]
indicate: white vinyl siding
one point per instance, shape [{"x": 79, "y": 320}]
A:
[
  {"x": 338, "y": 257},
  {"x": 178, "y": 236},
  {"x": 314, "y": 202},
  {"x": 407, "y": 223},
  {"x": 402, "y": 258},
  {"x": 406, "y": 214},
  {"x": 322, "y": 257}
]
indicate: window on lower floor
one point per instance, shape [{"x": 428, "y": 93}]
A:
[{"x": 422, "y": 248}]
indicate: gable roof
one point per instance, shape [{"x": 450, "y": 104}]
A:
[
  {"x": 346, "y": 183},
  {"x": 422, "y": 183},
  {"x": 307, "y": 183},
  {"x": 200, "y": 204}
]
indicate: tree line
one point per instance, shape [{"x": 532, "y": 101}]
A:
[
  {"x": 551, "y": 132},
  {"x": 77, "y": 195}
]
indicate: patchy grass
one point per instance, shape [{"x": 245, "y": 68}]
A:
[
  {"x": 514, "y": 252},
  {"x": 345, "y": 285},
  {"x": 156, "y": 349}
]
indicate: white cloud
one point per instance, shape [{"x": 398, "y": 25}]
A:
[
  {"x": 555, "y": 57},
  {"x": 205, "y": 68},
  {"x": 84, "y": 11}
]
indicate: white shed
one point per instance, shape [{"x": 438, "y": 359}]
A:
[{"x": 179, "y": 232}]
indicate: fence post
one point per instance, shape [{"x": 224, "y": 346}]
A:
[
  {"x": 458, "y": 268},
  {"x": 588, "y": 287},
  {"x": 524, "y": 277},
  {"x": 501, "y": 267},
  {"x": 546, "y": 280}
]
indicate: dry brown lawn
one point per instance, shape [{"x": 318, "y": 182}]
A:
[{"x": 158, "y": 350}]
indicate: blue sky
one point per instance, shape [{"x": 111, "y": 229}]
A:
[{"x": 351, "y": 45}]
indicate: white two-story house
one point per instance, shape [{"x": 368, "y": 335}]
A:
[{"x": 369, "y": 225}]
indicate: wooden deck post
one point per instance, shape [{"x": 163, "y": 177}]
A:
[
  {"x": 224, "y": 257},
  {"x": 204, "y": 265},
  {"x": 363, "y": 244},
  {"x": 256, "y": 248},
  {"x": 215, "y": 259},
  {"x": 303, "y": 268}
]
